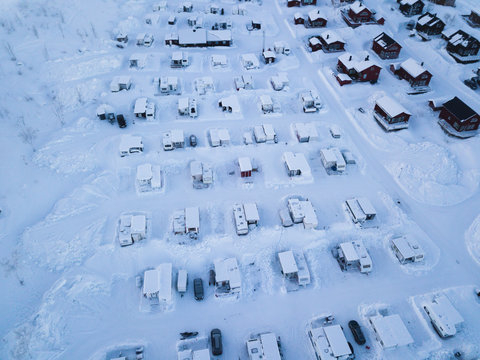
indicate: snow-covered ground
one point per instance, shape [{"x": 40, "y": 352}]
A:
[{"x": 69, "y": 288}]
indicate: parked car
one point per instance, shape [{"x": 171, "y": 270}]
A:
[
  {"x": 121, "y": 121},
  {"x": 198, "y": 289},
  {"x": 211, "y": 277},
  {"x": 216, "y": 340},
  {"x": 357, "y": 332},
  {"x": 471, "y": 84},
  {"x": 193, "y": 140}
]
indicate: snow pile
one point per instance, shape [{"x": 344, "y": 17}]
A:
[
  {"x": 430, "y": 174},
  {"x": 472, "y": 238}
]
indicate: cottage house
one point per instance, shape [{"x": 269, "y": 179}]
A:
[
  {"x": 390, "y": 114},
  {"x": 457, "y": 116},
  {"x": 407, "y": 250},
  {"x": 331, "y": 41},
  {"x": 358, "y": 14},
  {"x": 411, "y": 7},
  {"x": 390, "y": 331},
  {"x": 359, "y": 70},
  {"x": 227, "y": 277},
  {"x": 413, "y": 72},
  {"x": 385, "y": 47},
  {"x": 264, "y": 346},
  {"x": 315, "y": 19},
  {"x": 429, "y": 24},
  {"x": 298, "y": 19},
  {"x": 296, "y": 164},
  {"x": 314, "y": 43},
  {"x": 463, "y": 47}
]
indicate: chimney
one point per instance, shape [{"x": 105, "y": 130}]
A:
[
  {"x": 367, "y": 57},
  {"x": 350, "y": 58},
  {"x": 328, "y": 35},
  {"x": 421, "y": 64}
]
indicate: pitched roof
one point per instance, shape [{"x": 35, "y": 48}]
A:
[
  {"x": 458, "y": 108},
  {"x": 413, "y": 67},
  {"x": 384, "y": 40}
]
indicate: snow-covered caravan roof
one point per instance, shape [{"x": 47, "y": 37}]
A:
[
  {"x": 390, "y": 331},
  {"x": 405, "y": 247},
  {"x": 391, "y": 107},
  {"x": 270, "y": 346},
  {"x": 412, "y": 67},
  {"x": 165, "y": 282},
  {"x": 329, "y": 156},
  {"x": 287, "y": 262},
  {"x": 442, "y": 311},
  {"x": 192, "y": 218},
  {"x": 223, "y": 135},
  {"x": 140, "y": 105},
  {"x": 269, "y": 131},
  {"x": 251, "y": 212},
  {"x": 138, "y": 223},
  {"x": 245, "y": 164},
  {"x": 366, "y": 206},
  {"x": 349, "y": 251},
  {"x": 227, "y": 270},
  {"x": 151, "y": 282},
  {"x": 144, "y": 172},
  {"x": 183, "y": 103},
  {"x": 330, "y": 37},
  {"x": 336, "y": 339},
  {"x": 310, "y": 219},
  {"x": 196, "y": 168}
]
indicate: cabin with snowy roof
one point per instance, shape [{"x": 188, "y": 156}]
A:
[
  {"x": 390, "y": 114},
  {"x": 430, "y": 24},
  {"x": 316, "y": 19},
  {"x": 411, "y": 7},
  {"x": 358, "y": 70},
  {"x": 463, "y": 47},
  {"x": 385, "y": 47},
  {"x": 413, "y": 72}
]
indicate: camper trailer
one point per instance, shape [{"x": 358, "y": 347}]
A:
[
  {"x": 202, "y": 174},
  {"x": 407, "y": 250},
  {"x": 302, "y": 211},
  {"x": 294, "y": 267},
  {"x": 120, "y": 83},
  {"x": 328, "y": 340},
  {"x": 333, "y": 159},
  {"x": 310, "y": 102},
  {"x": 264, "y": 346},
  {"x": 148, "y": 178},
  {"x": 157, "y": 283},
  {"x": 179, "y": 59},
  {"x": 173, "y": 139},
  {"x": 227, "y": 277},
  {"x": 144, "y": 109},
  {"x": 192, "y": 220},
  {"x": 361, "y": 209},
  {"x": 443, "y": 316},
  {"x": 131, "y": 228},
  {"x": 353, "y": 254},
  {"x": 246, "y": 217},
  {"x": 219, "y": 137},
  {"x": 130, "y": 144},
  {"x": 244, "y": 82},
  {"x": 182, "y": 280}
]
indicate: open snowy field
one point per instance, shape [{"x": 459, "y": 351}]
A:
[{"x": 71, "y": 291}]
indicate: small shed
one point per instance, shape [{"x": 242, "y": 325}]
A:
[
  {"x": 245, "y": 166},
  {"x": 269, "y": 56},
  {"x": 251, "y": 213}
]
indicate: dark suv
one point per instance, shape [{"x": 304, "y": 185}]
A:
[
  {"x": 216, "y": 340},
  {"x": 356, "y": 332},
  {"x": 198, "y": 289},
  {"x": 121, "y": 121}
]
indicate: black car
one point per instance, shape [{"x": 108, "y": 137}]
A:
[
  {"x": 121, "y": 121},
  {"x": 357, "y": 332},
  {"x": 216, "y": 340},
  {"x": 193, "y": 140},
  {"x": 198, "y": 289}
]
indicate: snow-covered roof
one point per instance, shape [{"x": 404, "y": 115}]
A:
[
  {"x": 366, "y": 206},
  {"x": 391, "y": 107},
  {"x": 140, "y": 105},
  {"x": 266, "y": 100},
  {"x": 251, "y": 212},
  {"x": 196, "y": 168},
  {"x": 357, "y": 7},
  {"x": 219, "y": 59},
  {"x": 202, "y": 354},
  {"x": 287, "y": 262},
  {"x": 130, "y": 142},
  {"x": 442, "y": 311},
  {"x": 331, "y": 37},
  {"x": 296, "y": 161},
  {"x": 192, "y": 36},
  {"x": 315, "y": 15},
  {"x": 413, "y": 67},
  {"x": 407, "y": 248},
  {"x": 227, "y": 270},
  {"x": 138, "y": 223},
  {"x": 336, "y": 339},
  {"x": 177, "y": 136},
  {"x": 391, "y": 330},
  {"x": 219, "y": 35},
  {"x": 144, "y": 172},
  {"x": 192, "y": 218},
  {"x": 232, "y": 102},
  {"x": 270, "y": 346},
  {"x": 245, "y": 164},
  {"x": 425, "y": 18},
  {"x": 408, "y": 2},
  {"x": 269, "y": 54},
  {"x": 151, "y": 282}
]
